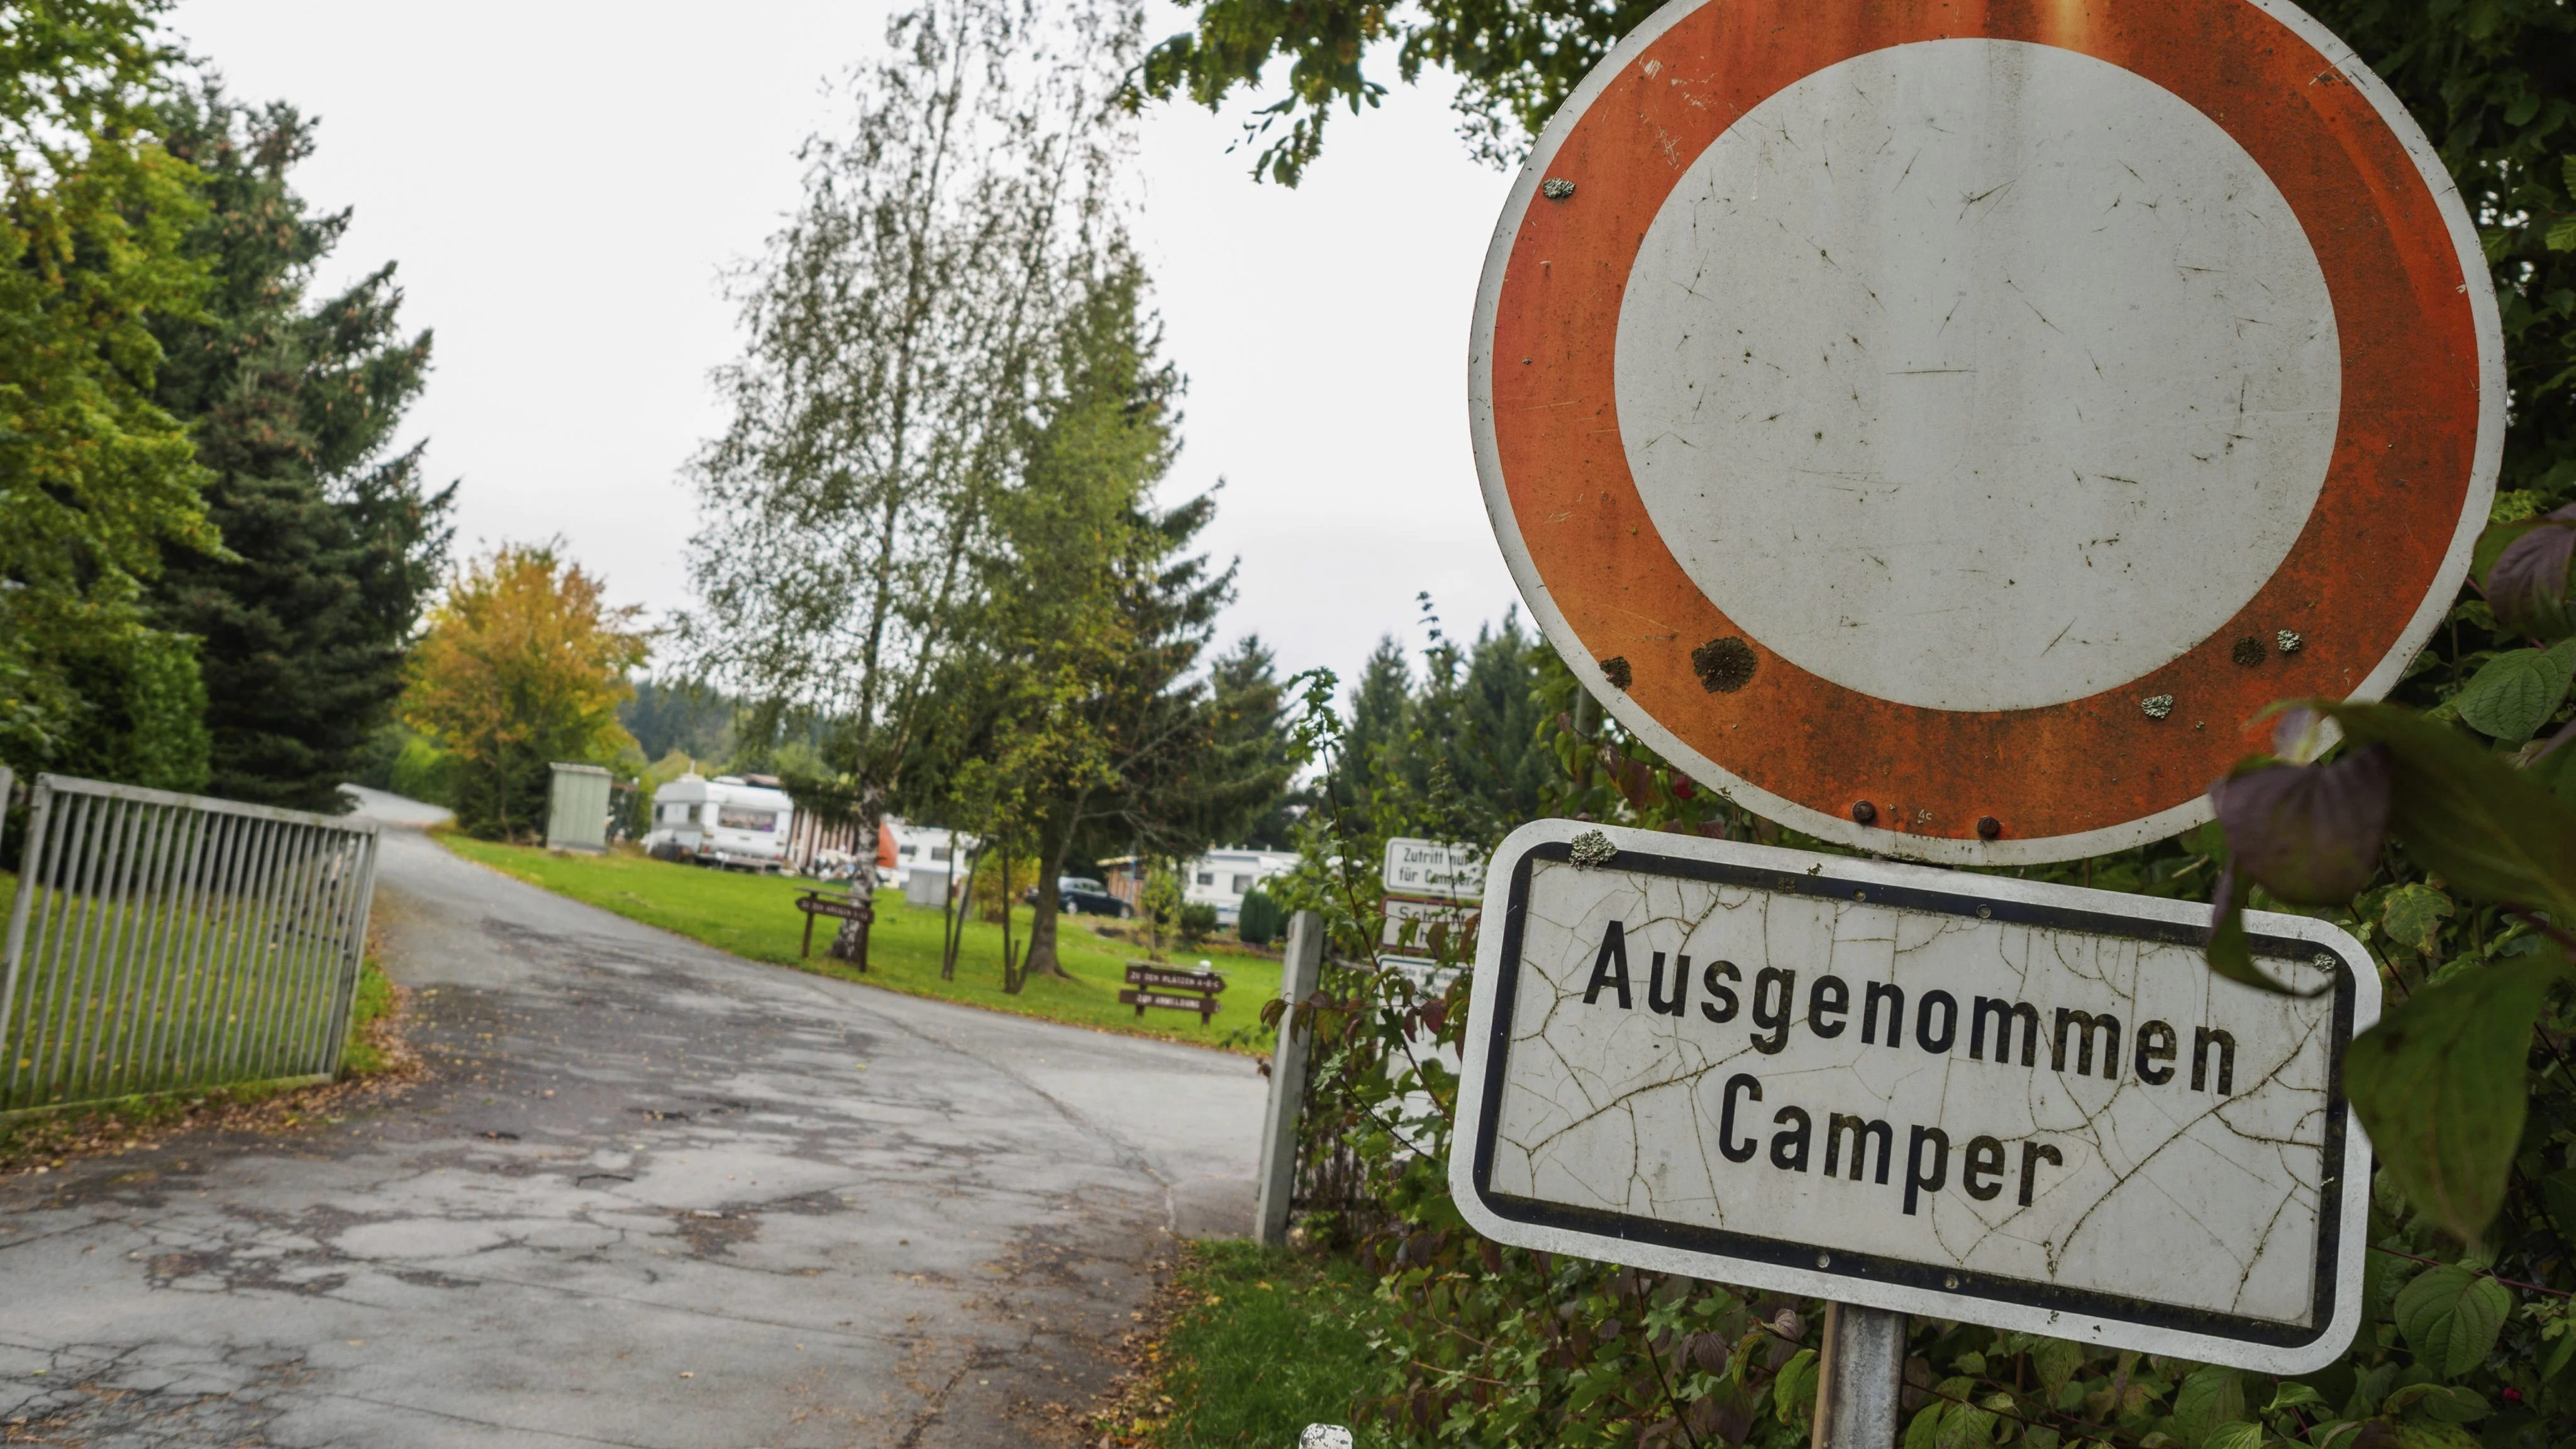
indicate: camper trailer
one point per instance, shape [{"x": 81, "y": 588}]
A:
[
  {"x": 1222, "y": 878},
  {"x": 726, "y": 821}
]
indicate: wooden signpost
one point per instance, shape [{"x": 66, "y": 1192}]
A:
[
  {"x": 815, "y": 903},
  {"x": 1944, "y": 430},
  {"x": 1152, "y": 985}
]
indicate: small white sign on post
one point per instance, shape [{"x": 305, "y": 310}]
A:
[
  {"x": 1433, "y": 870},
  {"x": 1962, "y": 1096}
]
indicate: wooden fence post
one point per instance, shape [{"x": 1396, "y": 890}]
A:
[{"x": 1297, "y": 977}]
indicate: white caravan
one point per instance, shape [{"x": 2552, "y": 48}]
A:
[
  {"x": 722, "y": 822},
  {"x": 1222, "y": 878}
]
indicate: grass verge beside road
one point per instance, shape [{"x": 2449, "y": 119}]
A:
[
  {"x": 755, "y": 916},
  {"x": 1256, "y": 1345}
]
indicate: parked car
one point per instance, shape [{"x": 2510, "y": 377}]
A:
[{"x": 1083, "y": 897}]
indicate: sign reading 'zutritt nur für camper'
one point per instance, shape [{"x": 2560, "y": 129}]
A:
[{"x": 1963, "y": 1096}]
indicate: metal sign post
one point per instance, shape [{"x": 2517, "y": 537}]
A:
[
  {"x": 1944, "y": 431},
  {"x": 1860, "y": 1378}
]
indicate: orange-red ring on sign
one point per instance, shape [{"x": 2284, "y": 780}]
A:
[{"x": 2383, "y": 524}]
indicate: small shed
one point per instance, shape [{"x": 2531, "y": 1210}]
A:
[{"x": 578, "y": 817}]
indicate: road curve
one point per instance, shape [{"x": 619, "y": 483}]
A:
[{"x": 649, "y": 1194}]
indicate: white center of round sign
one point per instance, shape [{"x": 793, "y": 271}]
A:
[{"x": 1977, "y": 375}]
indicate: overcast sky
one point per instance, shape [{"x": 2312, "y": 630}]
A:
[{"x": 562, "y": 184}]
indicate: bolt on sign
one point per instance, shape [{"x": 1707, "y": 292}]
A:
[
  {"x": 1945, "y": 428},
  {"x": 1964, "y": 1096}
]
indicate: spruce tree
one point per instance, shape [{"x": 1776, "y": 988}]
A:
[{"x": 330, "y": 542}]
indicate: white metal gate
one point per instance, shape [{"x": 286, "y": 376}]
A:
[{"x": 163, "y": 942}]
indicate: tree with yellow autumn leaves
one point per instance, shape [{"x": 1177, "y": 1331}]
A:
[{"x": 523, "y": 664}]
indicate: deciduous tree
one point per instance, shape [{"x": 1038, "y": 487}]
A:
[
  {"x": 523, "y": 664},
  {"x": 95, "y": 478},
  {"x": 898, "y": 331}
]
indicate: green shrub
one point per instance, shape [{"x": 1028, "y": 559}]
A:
[
  {"x": 1198, "y": 922},
  {"x": 1262, "y": 919},
  {"x": 425, "y": 772}
]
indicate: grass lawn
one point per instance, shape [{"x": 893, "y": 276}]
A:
[
  {"x": 755, "y": 916},
  {"x": 1264, "y": 1342}
]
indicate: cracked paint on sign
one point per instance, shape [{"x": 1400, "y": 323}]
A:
[{"x": 1984, "y": 1091}]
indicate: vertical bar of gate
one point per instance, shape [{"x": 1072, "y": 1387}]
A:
[
  {"x": 353, "y": 950},
  {"x": 322, "y": 974},
  {"x": 165, "y": 957},
  {"x": 105, "y": 852},
  {"x": 294, "y": 951},
  {"x": 297, "y": 1002},
  {"x": 40, "y": 803},
  {"x": 251, "y": 878},
  {"x": 205, "y": 987},
  {"x": 257, "y": 1041},
  {"x": 256, "y": 979},
  {"x": 99, "y": 970},
  {"x": 330, "y": 925},
  {"x": 56, "y": 921},
  {"x": 186, "y": 906},
  {"x": 82, "y": 854},
  {"x": 132, "y": 998},
  {"x": 114, "y": 960},
  {"x": 248, "y": 945},
  {"x": 50, "y": 920}
]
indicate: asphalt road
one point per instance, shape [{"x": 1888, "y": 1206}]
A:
[{"x": 648, "y": 1194}]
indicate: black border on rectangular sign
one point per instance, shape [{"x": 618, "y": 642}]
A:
[{"x": 1867, "y": 1267}]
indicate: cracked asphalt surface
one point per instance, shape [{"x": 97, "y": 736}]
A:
[{"x": 648, "y": 1194}]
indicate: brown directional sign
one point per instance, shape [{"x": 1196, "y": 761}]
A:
[
  {"x": 1205, "y": 1006},
  {"x": 813, "y": 904},
  {"x": 1139, "y": 975},
  {"x": 1147, "y": 974},
  {"x": 843, "y": 910}
]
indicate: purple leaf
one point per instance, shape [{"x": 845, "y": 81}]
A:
[
  {"x": 2310, "y": 834},
  {"x": 2527, "y": 588}
]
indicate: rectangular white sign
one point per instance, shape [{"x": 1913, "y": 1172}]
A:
[
  {"x": 1964, "y": 1096},
  {"x": 1429, "y": 928},
  {"x": 1432, "y": 869}
]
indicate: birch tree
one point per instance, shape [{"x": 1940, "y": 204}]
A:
[{"x": 897, "y": 332}]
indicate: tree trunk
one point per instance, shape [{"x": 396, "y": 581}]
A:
[
  {"x": 850, "y": 943},
  {"x": 961, "y": 875},
  {"x": 1012, "y": 977},
  {"x": 1053, "y": 841}
]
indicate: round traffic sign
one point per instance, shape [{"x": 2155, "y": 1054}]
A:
[{"x": 1945, "y": 427}]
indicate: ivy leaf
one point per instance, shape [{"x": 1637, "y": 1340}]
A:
[
  {"x": 2058, "y": 1359},
  {"x": 2235, "y": 1436},
  {"x": 2310, "y": 834},
  {"x": 1925, "y": 1431},
  {"x": 2439, "y": 1085},
  {"x": 2442, "y": 1403},
  {"x": 2515, "y": 693},
  {"x": 2211, "y": 1397},
  {"x": 1965, "y": 1427},
  {"x": 2527, "y": 586},
  {"x": 1793, "y": 1392},
  {"x": 2466, "y": 815},
  {"x": 2450, "y": 1317},
  {"x": 2558, "y": 1190},
  {"x": 2293, "y": 1395},
  {"x": 2413, "y": 915}
]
